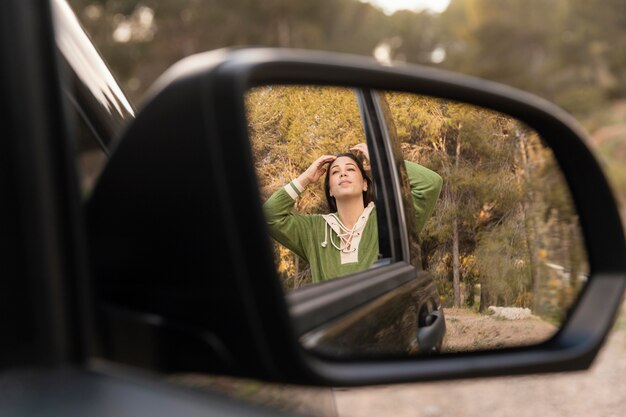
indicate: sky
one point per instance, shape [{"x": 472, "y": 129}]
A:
[{"x": 391, "y": 6}]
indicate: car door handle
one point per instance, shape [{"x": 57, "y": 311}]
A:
[{"x": 430, "y": 336}]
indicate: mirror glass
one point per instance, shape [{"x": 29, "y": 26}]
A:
[{"x": 419, "y": 225}]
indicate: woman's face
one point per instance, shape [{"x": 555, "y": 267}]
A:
[{"x": 345, "y": 179}]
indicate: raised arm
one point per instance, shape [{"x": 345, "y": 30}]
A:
[
  {"x": 288, "y": 228},
  {"x": 425, "y": 188}
]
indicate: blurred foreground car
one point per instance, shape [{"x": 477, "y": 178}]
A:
[{"x": 168, "y": 267}]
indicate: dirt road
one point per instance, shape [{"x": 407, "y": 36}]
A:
[
  {"x": 466, "y": 330},
  {"x": 598, "y": 392}
]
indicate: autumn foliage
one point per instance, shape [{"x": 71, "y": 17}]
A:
[{"x": 504, "y": 231}]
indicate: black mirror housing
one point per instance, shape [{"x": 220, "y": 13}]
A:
[{"x": 184, "y": 278}]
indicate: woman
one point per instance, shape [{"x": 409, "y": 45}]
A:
[{"x": 346, "y": 240}]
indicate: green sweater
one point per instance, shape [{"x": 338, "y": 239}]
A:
[{"x": 316, "y": 238}]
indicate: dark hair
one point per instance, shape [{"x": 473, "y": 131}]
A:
[{"x": 368, "y": 196}]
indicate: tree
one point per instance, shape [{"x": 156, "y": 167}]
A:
[{"x": 504, "y": 212}]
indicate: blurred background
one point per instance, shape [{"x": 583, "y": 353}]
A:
[{"x": 571, "y": 52}]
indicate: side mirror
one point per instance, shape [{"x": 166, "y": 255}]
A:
[{"x": 183, "y": 264}]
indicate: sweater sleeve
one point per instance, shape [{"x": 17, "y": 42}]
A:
[
  {"x": 425, "y": 188},
  {"x": 290, "y": 229}
]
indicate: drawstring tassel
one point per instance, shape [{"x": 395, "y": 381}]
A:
[{"x": 345, "y": 237}]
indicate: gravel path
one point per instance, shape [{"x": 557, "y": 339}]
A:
[
  {"x": 599, "y": 391},
  {"x": 466, "y": 331}
]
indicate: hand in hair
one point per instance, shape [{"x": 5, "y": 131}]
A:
[
  {"x": 315, "y": 171},
  {"x": 362, "y": 148}
]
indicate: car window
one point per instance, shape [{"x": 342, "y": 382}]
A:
[
  {"x": 420, "y": 181},
  {"x": 96, "y": 102},
  {"x": 292, "y": 127}
]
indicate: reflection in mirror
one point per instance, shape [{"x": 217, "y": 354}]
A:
[
  {"x": 315, "y": 174},
  {"x": 496, "y": 249},
  {"x": 504, "y": 244}
]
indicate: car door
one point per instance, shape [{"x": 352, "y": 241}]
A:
[{"x": 392, "y": 309}]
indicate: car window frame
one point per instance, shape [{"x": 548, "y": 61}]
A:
[{"x": 394, "y": 151}]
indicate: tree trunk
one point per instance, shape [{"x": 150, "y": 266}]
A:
[
  {"x": 484, "y": 298},
  {"x": 533, "y": 251},
  {"x": 577, "y": 254},
  {"x": 456, "y": 275},
  {"x": 530, "y": 225}
]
